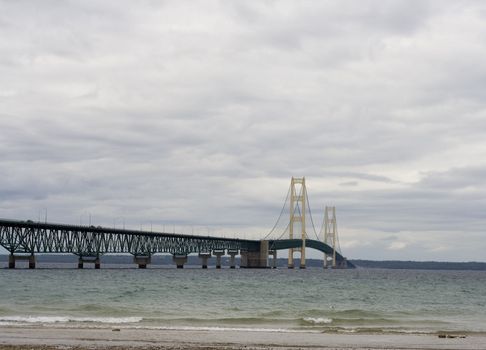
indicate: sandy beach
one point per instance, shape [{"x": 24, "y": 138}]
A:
[{"x": 106, "y": 338}]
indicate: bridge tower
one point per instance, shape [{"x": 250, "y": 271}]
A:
[
  {"x": 330, "y": 235},
  {"x": 298, "y": 199}
]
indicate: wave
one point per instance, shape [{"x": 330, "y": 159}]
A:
[
  {"x": 224, "y": 321},
  {"x": 223, "y": 329},
  {"x": 98, "y": 310},
  {"x": 358, "y": 313},
  {"x": 66, "y": 319},
  {"x": 317, "y": 320},
  {"x": 305, "y": 325},
  {"x": 271, "y": 313},
  {"x": 4, "y": 310},
  {"x": 346, "y": 314}
]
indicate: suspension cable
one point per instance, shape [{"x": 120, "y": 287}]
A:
[
  {"x": 284, "y": 231},
  {"x": 337, "y": 239},
  {"x": 322, "y": 226},
  {"x": 281, "y": 212},
  {"x": 310, "y": 214}
]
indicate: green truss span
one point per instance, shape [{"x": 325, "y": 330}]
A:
[{"x": 31, "y": 237}]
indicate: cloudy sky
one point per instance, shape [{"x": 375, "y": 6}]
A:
[{"x": 193, "y": 116}]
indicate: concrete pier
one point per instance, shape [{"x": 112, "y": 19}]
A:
[
  {"x": 90, "y": 260},
  {"x": 13, "y": 258},
  {"x": 343, "y": 264},
  {"x": 11, "y": 261},
  {"x": 291, "y": 266},
  {"x": 291, "y": 262},
  {"x": 255, "y": 259},
  {"x": 204, "y": 257},
  {"x": 232, "y": 253},
  {"x": 32, "y": 262},
  {"x": 273, "y": 253},
  {"x": 179, "y": 260},
  {"x": 218, "y": 254},
  {"x": 142, "y": 260}
]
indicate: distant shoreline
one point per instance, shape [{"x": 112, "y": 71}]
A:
[
  {"x": 421, "y": 265},
  {"x": 282, "y": 262}
]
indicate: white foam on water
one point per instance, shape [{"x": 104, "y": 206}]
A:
[
  {"x": 183, "y": 328},
  {"x": 66, "y": 319},
  {"x": 318, "y": 320},
  {"x": 225, "y": 329}
]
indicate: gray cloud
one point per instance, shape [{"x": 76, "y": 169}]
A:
[{"x": 198, "y": 114}]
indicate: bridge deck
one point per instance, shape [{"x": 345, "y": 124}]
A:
[{"x": 30, "y": 237}]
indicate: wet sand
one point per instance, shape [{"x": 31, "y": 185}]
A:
[{"x": 47, "y": 338}]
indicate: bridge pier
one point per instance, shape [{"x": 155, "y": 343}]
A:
[
  {"x": 13, "y": 258},
  {"x": 255, "y": 259},
  {"x": 89, "y": 259},
  {"x": 291, "y": 258},
  {"x": 290, "y": 263},
  {"x": 232, "y": 253},
  {"x": 273, "y": 253},
  {"x": 219, "y": 254},
  {"x": 142, "y": 260},
  {"x": 11, "y": 261},
  {"x": 179, "y": 260},
  {"x": 204, "y": 257},
  {"x": 342, "y": 264},
  {"x": 32, "y": 262}
]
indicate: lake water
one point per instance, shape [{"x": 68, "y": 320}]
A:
[{"x": 311, "y": 300}]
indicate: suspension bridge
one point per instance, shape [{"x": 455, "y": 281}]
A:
[{"x": 295, "y": 232}]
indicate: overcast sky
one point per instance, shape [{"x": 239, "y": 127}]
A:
[{"x": 194, "y": 116}]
